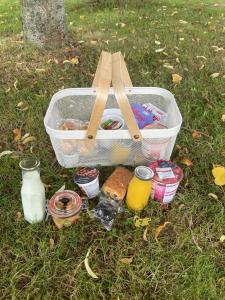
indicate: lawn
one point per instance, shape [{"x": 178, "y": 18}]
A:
[{"x": 188, "y": 262}]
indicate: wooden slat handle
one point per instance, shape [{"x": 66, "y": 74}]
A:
[
  {"x": 118, "y": 81},
  {"x": 102, "y": 82}
]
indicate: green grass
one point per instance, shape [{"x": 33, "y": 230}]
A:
[{"x": 175, "y": 268}]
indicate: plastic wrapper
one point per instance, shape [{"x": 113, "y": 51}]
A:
[{"x": 106, "y": 211}]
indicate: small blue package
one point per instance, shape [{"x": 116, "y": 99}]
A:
[{"x": 143, "y": 116}]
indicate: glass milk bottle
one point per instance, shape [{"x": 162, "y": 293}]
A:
[{"x": 32, "y": 191}]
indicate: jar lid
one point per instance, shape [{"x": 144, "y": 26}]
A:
[
  {"x": 64, "y": 204},
  {"x": 29, "y": 164},
  {"x": 166, "y": 172},
  {"x": 143, "y": 173}
]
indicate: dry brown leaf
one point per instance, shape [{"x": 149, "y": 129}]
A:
[
  {"x": 52, "y": 243},
  {"x": 17, "y": 134},
  {"x": 176, "y": 78},
  {"x": 145, "y": 234},
  {"x": 20, "y": 147},
  {"x": 187, "y": 162},
  {"x": 18, "y": 216},
  {"x": 178, "y": 147},
  {"x": 215, "y": 75},
  {"x": 127, "y": 260},
  {"x": 213, "y": 196},
  {"x": 223, "y": 118},
  {"x": 196, "y": 134},
  {"x": 28, "y": 140},
  {"x": 159, "y": 229}
]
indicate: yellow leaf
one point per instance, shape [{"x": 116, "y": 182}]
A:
[
  {"x": 19, "y": 104},
  {"x": 215, "y": 75},
  {"x": 223, "y": 118},
  {"x": 145, "y": 234},
  {"x": 74, "y": 61},
  {"x": 17, "y": 134},
  {"x": 187, "y": 162},
  {"x": 25, "y": 136},
  {"x": 159, "y": 229},
  {"x": 168, "y": 66},
  {"x": 213, "y": 196},
  {"x": 127, "y": 260},
  {"x": 86, "y": 263},
  {"x": 222, "y": 238},
  {"x": 138, "y": 222},
  {"x": 196, "y": 134},
  {"x": 219, "y": 175},
  {"x": 160, "y": 50},
  {"x": 28, "y": 139},
  {"x": 183, "y": 22},
  {"x": 176, "y": 78}
]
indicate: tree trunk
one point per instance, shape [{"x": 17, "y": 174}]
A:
[{"x": 44, "y": 22}]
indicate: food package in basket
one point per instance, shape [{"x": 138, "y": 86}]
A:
[{"x": 97, "y": 126}]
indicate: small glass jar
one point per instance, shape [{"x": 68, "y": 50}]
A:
[{"x": 32, "y": 191}]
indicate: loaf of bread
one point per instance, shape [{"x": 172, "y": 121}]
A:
[{"x": 116, "y": 185}]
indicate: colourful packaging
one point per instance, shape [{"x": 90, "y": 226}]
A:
[
  {"x": 159, "y": 116},
  {"x": 143, "y": 116},
  {"x": 166, "y": 179}
]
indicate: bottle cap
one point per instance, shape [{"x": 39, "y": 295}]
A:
[{"x": 143, "y": 173}]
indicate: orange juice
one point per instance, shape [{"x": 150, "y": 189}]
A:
[{"x": 139, "y": 188}]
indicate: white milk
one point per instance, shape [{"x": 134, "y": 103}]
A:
[{"x": 33, "y": 197}]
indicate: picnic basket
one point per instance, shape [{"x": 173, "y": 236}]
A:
[{"x": 95, "y": 146}]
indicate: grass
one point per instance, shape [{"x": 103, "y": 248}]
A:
[{"x": 188, "y": 263}]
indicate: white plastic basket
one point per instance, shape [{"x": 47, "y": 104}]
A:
[{"x": 110, "y": 147}]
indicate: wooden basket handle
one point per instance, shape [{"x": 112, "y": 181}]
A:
[
  {"x": 102, "y": 82},
  {"x": 120, "y": 79}
]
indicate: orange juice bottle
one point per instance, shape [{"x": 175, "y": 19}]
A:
[{"x": 139, "y": 188}]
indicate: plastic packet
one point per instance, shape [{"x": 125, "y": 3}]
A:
[{"x": 106, "y": 211}]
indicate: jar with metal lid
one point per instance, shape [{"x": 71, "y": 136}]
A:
[{"x": 139, "y": 188}]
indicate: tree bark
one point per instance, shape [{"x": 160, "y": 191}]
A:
[{"x": 44, "y": 22}]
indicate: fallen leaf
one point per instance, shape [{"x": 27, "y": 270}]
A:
[
  {"x": 40, "y": 70},
  {"x": 201, "y": 67},
  {"x": 19, "y": 104},
  {"x": 219, "y": 175},
  {"x": 18, "y": 216},
  {"x": 196, "y": 134},
  {"x": 174, "y": 13},
  {"x": 20, "y": 147},
  {"x": 15, "y": 84},
  {"x": 201, "y": 56},
  {"x": 17, "y": 134},
  {"x": 181, "y": 39},
  {"x": 127, "y": 260},
  {"x": 138, "y": 222},
  {"x": 213, "y": 196},
  {"x": 52, "y": 243},
  {"x": 157, "y": 42},
  {"x": 25, "y": 108},
  {"x": 223, "y": 118},
  {"x": 86, "y": 263},
  {"x": 25, "y": 136},
  {"x": 222, "y": 238},
  {"x": 215, "y": 75},
  {"x": 178, "y": 147},
  {"x": 145, "y": 234},
  {"x": 7, "y": 152},
  {"x": 8, "y": 90},
  {"x": 183, "y": 22},
  {"x": 176, "y": 78},
  {"x": 28, "y": 140},
  {"x": 187, "y": 162},
  {"x": 74, "y": 61},
  {"x": 168, "y": 66},
  {"x": 159, "y": 229},
  {"x": 177, "y": 60},
  {"x": 160, "y": 50}
]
